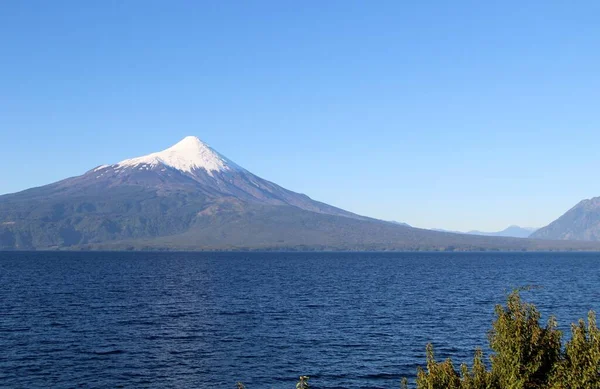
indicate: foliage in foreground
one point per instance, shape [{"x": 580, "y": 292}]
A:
[{"x": 525, "y": 355}]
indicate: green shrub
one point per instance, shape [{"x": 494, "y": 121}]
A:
[
  {"x": 524, "y": 352},
  {"x": 438, "y": 374},
  {"x": 579, "y": 368},
  {"x": 478, "y": 377},
  {"x": 442, "y": 375},
  {"x": 525, "y": 355}
]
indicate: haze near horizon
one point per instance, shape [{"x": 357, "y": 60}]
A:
[{"x": 470, "y": 117}]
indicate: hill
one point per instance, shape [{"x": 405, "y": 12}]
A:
[{"x": 582, "y": 222}]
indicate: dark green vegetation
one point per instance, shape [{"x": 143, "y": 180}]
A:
[
  {"x": 526, "y": 355},
  {"x": 136, "y": 217},
  {"x": 157, "y": 207},
  {"x": 582, "y": 222},
  {"x": 180, "y": 214}
]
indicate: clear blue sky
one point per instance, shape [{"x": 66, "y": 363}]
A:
[{"x": 451, "y": 114}]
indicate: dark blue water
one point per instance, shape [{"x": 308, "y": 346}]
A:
[{"x": 183, "y": 320}]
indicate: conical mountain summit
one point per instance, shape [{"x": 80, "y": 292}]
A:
[
  {"x": 190, "y": 197},
  {"x": 188, "y": 155}
]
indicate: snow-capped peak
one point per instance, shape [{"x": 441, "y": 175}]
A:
[{"x": 187, "y": 155}]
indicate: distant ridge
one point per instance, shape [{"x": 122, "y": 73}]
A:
[
  {"x": 511, "y": 231},
  {"x": 190, "y": 197}
]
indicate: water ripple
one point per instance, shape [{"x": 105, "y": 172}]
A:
[{"x": 207, "y": 320}]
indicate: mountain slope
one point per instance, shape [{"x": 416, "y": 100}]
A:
[
  {"x": 582, "y": 222},
  {"x": 191, "y": 197},
  {"x": 267, "y": 228},
  {"x": 150, "y": 196}
]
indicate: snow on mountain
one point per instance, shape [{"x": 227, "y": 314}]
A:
[
  {"x": 187, "y": 155},
  {"x": 192, "y": 165},
  {"x": 190, "y": 197}
]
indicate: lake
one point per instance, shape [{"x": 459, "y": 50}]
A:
[{"x": 207, "y": 320}]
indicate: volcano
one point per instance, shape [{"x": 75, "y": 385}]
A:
[{"x": 190, "y": 197}]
